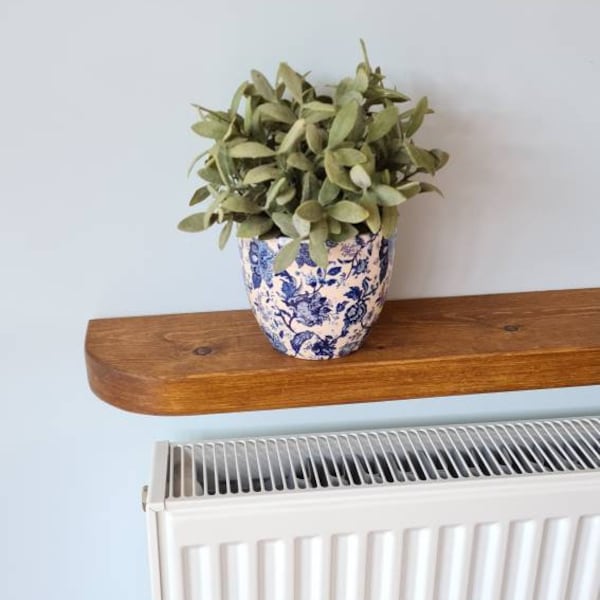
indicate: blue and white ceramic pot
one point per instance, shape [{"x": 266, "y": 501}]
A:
[{"x": 314, "y": 313}]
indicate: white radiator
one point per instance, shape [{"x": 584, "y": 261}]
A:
[{"x": 497, "y": 511}]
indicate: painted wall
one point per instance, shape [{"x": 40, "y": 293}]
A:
[{"x": 94, "y": 145}]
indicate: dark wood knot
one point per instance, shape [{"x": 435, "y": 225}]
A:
[
  {"x": 203, "y": 350},
  {"x": 512, "y": 327}
]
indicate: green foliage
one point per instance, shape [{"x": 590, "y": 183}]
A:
[{"x": 288, "y": 160}]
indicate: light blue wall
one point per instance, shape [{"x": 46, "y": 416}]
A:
[{"x": 94, "y": 145}]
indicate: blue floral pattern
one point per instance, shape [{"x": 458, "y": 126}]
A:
[
  {"x": 314, "y": 313},
  {"x": 310, "y": 309},
  {"x": 261, "y": 263}
]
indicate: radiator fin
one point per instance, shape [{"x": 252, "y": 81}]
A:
[
  {"x": 215, "y": 469},
  {"x": 585, "y": 568},
  {"x": 309, "y": 577},
  {"x": 236, "y": 579},
  {"x": 346, "y": 564},
  {"x": 273, "y": 571},
  {"x": 555, "y": 554},
  {"x": 521, "y": 557},
  {"x": 381, "y": 579},
  {"x": 486, "y": 562},
  {"x": 416, "y": 563},
  {"x": 452, "y": 561},
  {"x": 197, "y": 573},
  {"x": 518, "y": 560}
]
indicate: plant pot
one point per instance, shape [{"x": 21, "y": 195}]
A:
[{"x": 316, "y": 314}]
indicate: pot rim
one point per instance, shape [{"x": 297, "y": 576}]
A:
[{"x": 306, "y": 241}]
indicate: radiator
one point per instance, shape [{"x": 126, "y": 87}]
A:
[{"x": 494, "y": 511}]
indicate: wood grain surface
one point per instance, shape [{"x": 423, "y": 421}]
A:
[{"x": 221, "y": 362}]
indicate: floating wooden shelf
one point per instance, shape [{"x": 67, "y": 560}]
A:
[{"x": 220, "y": 362}]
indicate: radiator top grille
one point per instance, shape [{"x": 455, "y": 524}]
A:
[{"x": 278, "y": 464}]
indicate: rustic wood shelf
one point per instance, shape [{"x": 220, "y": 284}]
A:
[{"x": 220, "y": 361}]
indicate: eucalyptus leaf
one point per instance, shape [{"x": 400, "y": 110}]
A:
[
  {"x": 374, "y": 219},
  {"x": 286, "y": 196},
  {"x": 319, "y": 107},
  {"x": 380, "y": 95},
  {"x": 441, "y": 158},
  {"x": 224, "y": 164},
  {"x": 280, "y": 90},
  {"x": 347, "y": 211},
  {"x": 237, "y": 98},
  {"x": 195, "y": 161},
  {"x": 388, "y": 196},
  {"x": 269, "y": 111},
  {"x": 286, "y": 256},
  {"x": 360, "y": 177},
  {"x": 262, "y": 86},
  {"x": 344, "y": 86},
  {"x": 274, "y": 190},
  {"x": 240, "y": 204},
  {"x": 389, "y": 221},
  {"x": 317, "y": 117},
  {"x": 284, "y": 222},
  {"x": 225, "y": 233},
  {"x": 310, "y": 211},
  {"x": 359, "y": 130},
  {"x": 193, "y": 223},
  {"x": 209, "y": 214},
  {"x": 383, "y": 122},
  {"x": 347, "y": 232},
  {"x": 337, "y": 174},
  {"x": 200, "y": 194},
  {"x": 254, "y": 226},
  {"x": 421, "y": 158},
  {"x": 328, "y": 192},
  {"x": 257, "y": 130},
  {"x": 408, "y": 113},
  {"x": 248, "y": 116},
  {"x": 410, "y": 189},
  {"x": 317, "y": 247},
  {"x": 369, "y": 165},
  {"x": 417, "y": 116},
  {"x": 293, "y": 81},
  {"x": 365, "y": 54},
  {"x": 319, "y": 230},
  {"x": 251, "y": 150},
  {"x": 297, "y": 160},
  {"x": 210, "y": 129},
  {"x": 215, "y": 115},
  {"x": 347, "y": 91},
  {"x": 348, "y": 157},
  {"x": 350, "y": 96},
  {"x": 292, "y": 136},
  {"x": 302, "y": 225},
  {"x": 211, "y": 175},
  {"x": 429, "y": 187},
  {"x": 261, "y": 174},
  {"x": 310, "y": 186},
  {"x": 342, "y": 124},
  {"x": 361, "y": 81},
  {"x": 335, "y": 227},
  {"x": 401, "y": 160},
  {"x": 313, "y": 138}
]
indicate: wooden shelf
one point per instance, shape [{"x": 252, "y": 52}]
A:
[{"x": 220, "y": 362}]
